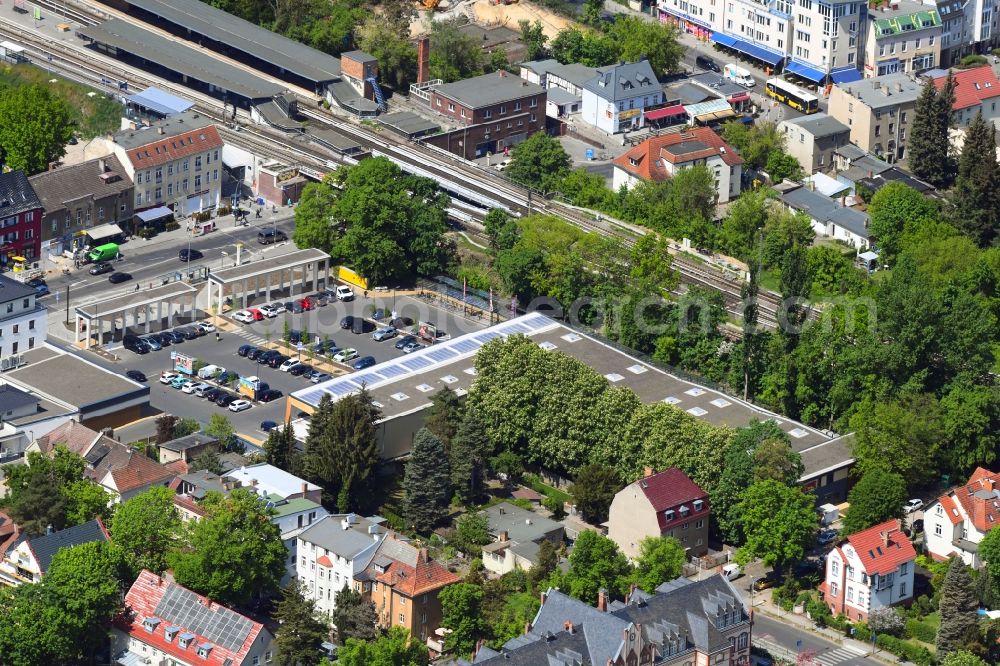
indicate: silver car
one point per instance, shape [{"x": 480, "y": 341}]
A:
[{"x": 384, "y": 334}]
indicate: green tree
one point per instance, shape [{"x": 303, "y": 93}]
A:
[
  {"x": 959, "y": 623},
  {"x": 279, "y": 448},
  {"x": 657, "y": 42},
  {"x": 354, "y": 616},
  {"x": 397, "y": 57},
  {"x": 774, "y": 459},
  {"x": 755, "y": 143},
  {"x": 903, "y": 434},
  {"x": 35, "y": 127},
  {"x": 235, "y": 530},
  {"x": 501, "y": 229},
  {"x": 596, "y": 563},
  {"x": 147, "y": 527},
  {"x": 427, "y": 483},
  {"x": 878, "y": 496},
  {"x": 165, "y": 425},
  {"x": 454, "y": 55},
  {"x": 962, "y": 658},
  {"x": 85, "y": 500},
  {"x": 592, "y": 15},
  {"x": 660, "y": 559},
  {"x": 533, "y": 36},
  {"x": 928, "y": 142},
  {"x": 897, "y": 209},
  {"x": 34, "y": 628},
  {"x": 300, "y": 634},
  {"x": 221, "y": 429},
  {"x": 207, "y": 460},
  {"x": 545, "y": 563},
  {"x": 989, "y": 551},
  {"x": 472, "y": 530},
  {"x": 469, "y": 456},
  {"x": 975, "y": 194},
  {"x": 593, "y": 489},
  {"x": 186, "y": 426},
  {"x": 89, "y": 581},
  {"x": 778, "y": 522},
  {"x": 539, "y": 162},
  {"x": 35, "y": 492},
  {"x": 782, "y": 166},
  {"x": 445, "y": 415},
  {"x": 384, "y": 223},
  {"x": 795, "y": 286},
  {"x": 395, "y": 648},
  {"x": 743, "y": 224},
  {"x": 461, "y": 606}
]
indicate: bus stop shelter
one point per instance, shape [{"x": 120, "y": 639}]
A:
[
  {"x": 171, "y": 300},
  {"x": 272, "y": 274}
]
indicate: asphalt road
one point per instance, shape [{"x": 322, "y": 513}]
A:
[{"x": 797, "y": 640}]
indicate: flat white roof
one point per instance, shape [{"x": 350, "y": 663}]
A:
[{"x": 270, "y": 480}]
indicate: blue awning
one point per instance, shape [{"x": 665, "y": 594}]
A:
[
  {"x": 757, "y": 52},
  {"x": 806, "y": 72},
  {"x": 725, "y": 40},
  {"x": 846, "y": 76},
  {"x": 154, "y": 214}
]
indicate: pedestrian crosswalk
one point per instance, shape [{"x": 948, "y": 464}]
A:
[
  {"x": 841, "y": 654},
  {"x": 251, "y": 337}
]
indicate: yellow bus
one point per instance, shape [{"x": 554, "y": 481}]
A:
[{"x": 793, "y": 96}]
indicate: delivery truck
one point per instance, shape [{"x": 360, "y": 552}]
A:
[
  {"x": 105, "y": 252},
  {"x": 738, "y": 75}
]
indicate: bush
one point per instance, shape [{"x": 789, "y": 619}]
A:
[
  {"x": 555, "y": 506},
  {"x": 915, "y": 653},
  {"x": 972, "y": 61},
  {"x": 172, "y": 226},
  {"x": 862, "y": 632},
  {"x": 922, "y": 631},
  {"x": 146, "y": 232}
]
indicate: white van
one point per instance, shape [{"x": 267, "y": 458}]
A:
[
  {"x": 739, "y": 75},
  {"x": 732, "y": 571},
  {"x": 210, "y": 371}
]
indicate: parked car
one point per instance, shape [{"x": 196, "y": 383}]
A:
[
  {"x": 405, "y": 340},
  {"x": 135, "y": 375},
  {"x": 344, "y": 293},
  {"x": 205, "y": 327},
  {"x": 267, "y": 356},
  {"x": 239, "y": 405},
  {"x": 254, "y": 353},
  {"x": 320, "y": 298},
  {"x": 269, "y": 395},
  {"x": 201, "y": 389},
  {"x": 307, "y": 304},
  {"x": 707, "y": 63},
  {"x": 268, "y": 426},
  {"x": 289, "y": 364},
  {"x": 153, "y": 342},
  {"x": 363, "y": 362},
  {"x": 412, "y": 347},
  {"x": 192, "y": 387},
  {"x": 245, "y": 349},
  {"x": 826, "y": 537},
  {"x": 277, "y": 360},
  {"x": 320, "y": 377},
  {"x": 268, "y": 236},
  {"x": 269, "y": 310},
  {"x": 256, "y": 314},
  {"x": 175, "y": 337},
  {"x": 914, "y": 505},
  {"x": 300, "y": 369},
  {"x": 324, "y": 346},
  {"x": 189, "y": 255},
  {"x": 732, "y": 571},
  {"x": 167, "y": 377},
  {"x": 162, "y": 338},
  {"x": 180, "y": 382},
  {"x": 226, "y": 377},
  {"x": 189, "y": 332},
  {"x": 135, "y": 344},
  {"x": 100, "y": 268},
  {"x": 765, "y": 583},
  {"x": 243, "y": 316},
  {"x": 918, "y": 525},
  {"x": 347, "y": 322},
  {"x": 502, "y": 165},
  {"x": 384, "y": 334},
  {"x": 297, "y": 307},
  {"x": 345, "y": 355},
  {"x": 118, "y": 278},
  {"x": 213, "y": 394},
  {"x": 294, "y": 336},
  {"x": 278, "y": 307},
  {"x": 225, "y": 399}
]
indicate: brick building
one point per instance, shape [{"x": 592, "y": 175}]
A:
[
  {"x": 493, "y": 112},
  {"x": 20, "y": 219}
]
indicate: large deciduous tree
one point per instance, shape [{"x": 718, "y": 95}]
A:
[
  {"x": 461, "y": 606},
  {"x": 778, "y": 523},
  {"x": 236, "y": 530},
  {"x": 147, "y": 527},
  {"x": 454, "y": 54},
  {"x": 35, "y": 127},
  {"x": 445, "y": 415},
  {"x": 596, "y": 563},
  {"x": 594, "y": 486},
  {"x": 354, "y": 616},
  {"x": 539, "y": 162},
  {"x": 395, "y": 648},
  {"x": 37, "y": 495},
  {"x": 878, "y": 496},
  {"x": 660, "y": 559},
  {"x": 386, "y": 224},
  {"x": 427, "y": 482}
]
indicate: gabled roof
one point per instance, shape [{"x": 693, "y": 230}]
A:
[
  {"x": 409, "y": 570},
  {"x": 130, "y": 469},
  {"x": 819, "y": 125},
  {"x": 74, "y": 436},
  {"x": 16, "y": 194},
  {"x": 950, "y": 509},
  {"x": 270, "y": 480},
  {"x": 348, "y": 535},
  {"x": 163, "y": 149},
  {"x": 669, "y": 488},
  {"x": 177, "y": 612},
  {"x": 823, "y": 209},
  {"x": 882, "y": 548},
  {"x": 45, "y": 547},
  {"x": 980, "y": 499},
  {"x": 972, "y": 86},
  {"x": 677, "y": 148},
  {"x": 623, "y": 81},
  {"x": 65, "y": 185}
]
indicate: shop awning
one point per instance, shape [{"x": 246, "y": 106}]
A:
[
  {"x": 741, "y": 97},
  {"x": 715, "y": 115},
  {"x": 805, "y": 71},
  {"x": 725, "y": 40},
  {"x": 752, "y": 50},
  {"x": 103, "y": 231},
  {"x": 665, "y": 112},
  {"x": 846, "y": 76},
  {"x": 154, "y": 214}
]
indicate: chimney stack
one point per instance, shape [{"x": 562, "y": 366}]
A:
[
  {"x": 102, "y": 164},
  {"x": 423, "y": 60},
  {"x": 159, "y": 130},
  {"x": 602, "y": 600},
  {"x": 504, "y": 537},
  {"x": 305, "y": 487},
  {"x": 885, "y": 537},
  {"x": 568, "y": 626},
  {"x": 647, "y": 472}
]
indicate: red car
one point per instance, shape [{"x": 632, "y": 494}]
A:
[
  {"x": 307, "y": 304},
  {"x": 257, "y": 314}
]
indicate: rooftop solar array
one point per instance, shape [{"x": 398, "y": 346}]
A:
[
  {"x": 424, "y": 361},
  {"x": 221, "y": 626}
]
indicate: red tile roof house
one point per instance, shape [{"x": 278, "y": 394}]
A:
[
  {"x": 664, "y": 504},
  {"x": 659, "y": 158},
  {"x": 27, "y": 559},
  {"x": 166, "y": 623},
  {"x": 975, "y": 89},
  {"x": 868, "y": 570},
  {"x": 959, "y": 519}
]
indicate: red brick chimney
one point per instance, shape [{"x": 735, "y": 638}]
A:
[
  {"x": 602, "y": 600},
  {"x": 648, "y": 471},
  {"x": 423, "y": 59}
]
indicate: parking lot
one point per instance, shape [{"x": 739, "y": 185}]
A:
[{"x": 322, "y": 323}]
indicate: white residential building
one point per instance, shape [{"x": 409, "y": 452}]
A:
[
  {"x": 23, "y": 320},
  {"x": 268, "y": 480},
  {"x": 614, "y": 100},
  {"x": 959, "y": 519},
  {"x": 869, "y": 570}
]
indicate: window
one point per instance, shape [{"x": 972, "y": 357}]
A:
[
  {"x": 184, "y": 184},
  {"x": 197, "y": 162},
  {"x": 215, "y": 156},
  {"x": 903, "y": 567},
  {"x": 487, "y": 114},
  {"x": 256, "y": 660},
  {"x": 185, "y": 165},
  {"x": 503, "y": 109},
  {"x": 744, "y": 641},
  {"x": 215, "y": 174},
  {"x": 698, "y": 525},
  {"x": 835, "y": 568},
  {"x": 402, "y": 619},
  {"x": 197, "y": 180},
  {"x": 170, "y": 189},
  {"x": 937, "y": 529},
  {"x": 902, "y": 589},
  {"x": 850, "y": 593},
  {"x": 533, "y": 103},
  {"x": 100, "y": 213},
  {"x": 13, "y": 349}
]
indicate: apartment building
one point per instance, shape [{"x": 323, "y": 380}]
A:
[
  {"x": 20, "y": 219},
  {"x": 663, "y": 504},
  {"x": 79, "y": 197},
  {"x": 813, "y": 139},
  {"x": 614, "y": 100},
  {"x": 878, "y": 113},
  {"x": 176, "y": 162},
  {"x": 959, "y": 519},
  {"x": 826, "y": 40},
  {"x": 23, "y": 320},
  {"x": 903, "y": 36},
  {"x": 869, "y": 570}
]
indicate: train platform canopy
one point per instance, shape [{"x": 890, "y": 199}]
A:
[
  {"x": 160, "y": 101},
  {"x": 180, "y": 59},
  {"x": 409, "y": 124},
  {"x": 236, "y": 34}
]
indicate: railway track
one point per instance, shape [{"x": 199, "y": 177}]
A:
[{"x": 479, "y": 189}]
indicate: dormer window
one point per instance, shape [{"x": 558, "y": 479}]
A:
[
  {"x": 170, "y": 632},
  {"x": 185, "y": 640},
  {"x": 150, "y": 624},
  {"x": 204, "y": 649},
  {"x": 633, "y": 161},
  {"x": 668, "y": 515},
  {"x": 698, "y": 504},
  {"x": 684, "y": 510}
]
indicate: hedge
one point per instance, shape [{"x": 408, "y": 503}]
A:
[
  {"x": 915, "y": 653},
  {"x": 921, "y": 631}
]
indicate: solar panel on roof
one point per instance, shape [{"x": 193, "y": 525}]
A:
[
  {"x": 391, "y": 370},
  {"x": 441, "y": 354},
  {"x": 366, "y": 379},
  {"x": 415, "y": 363},
  {"x": 217, "y": 624},
  {"x": 466, "y": 346}
]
